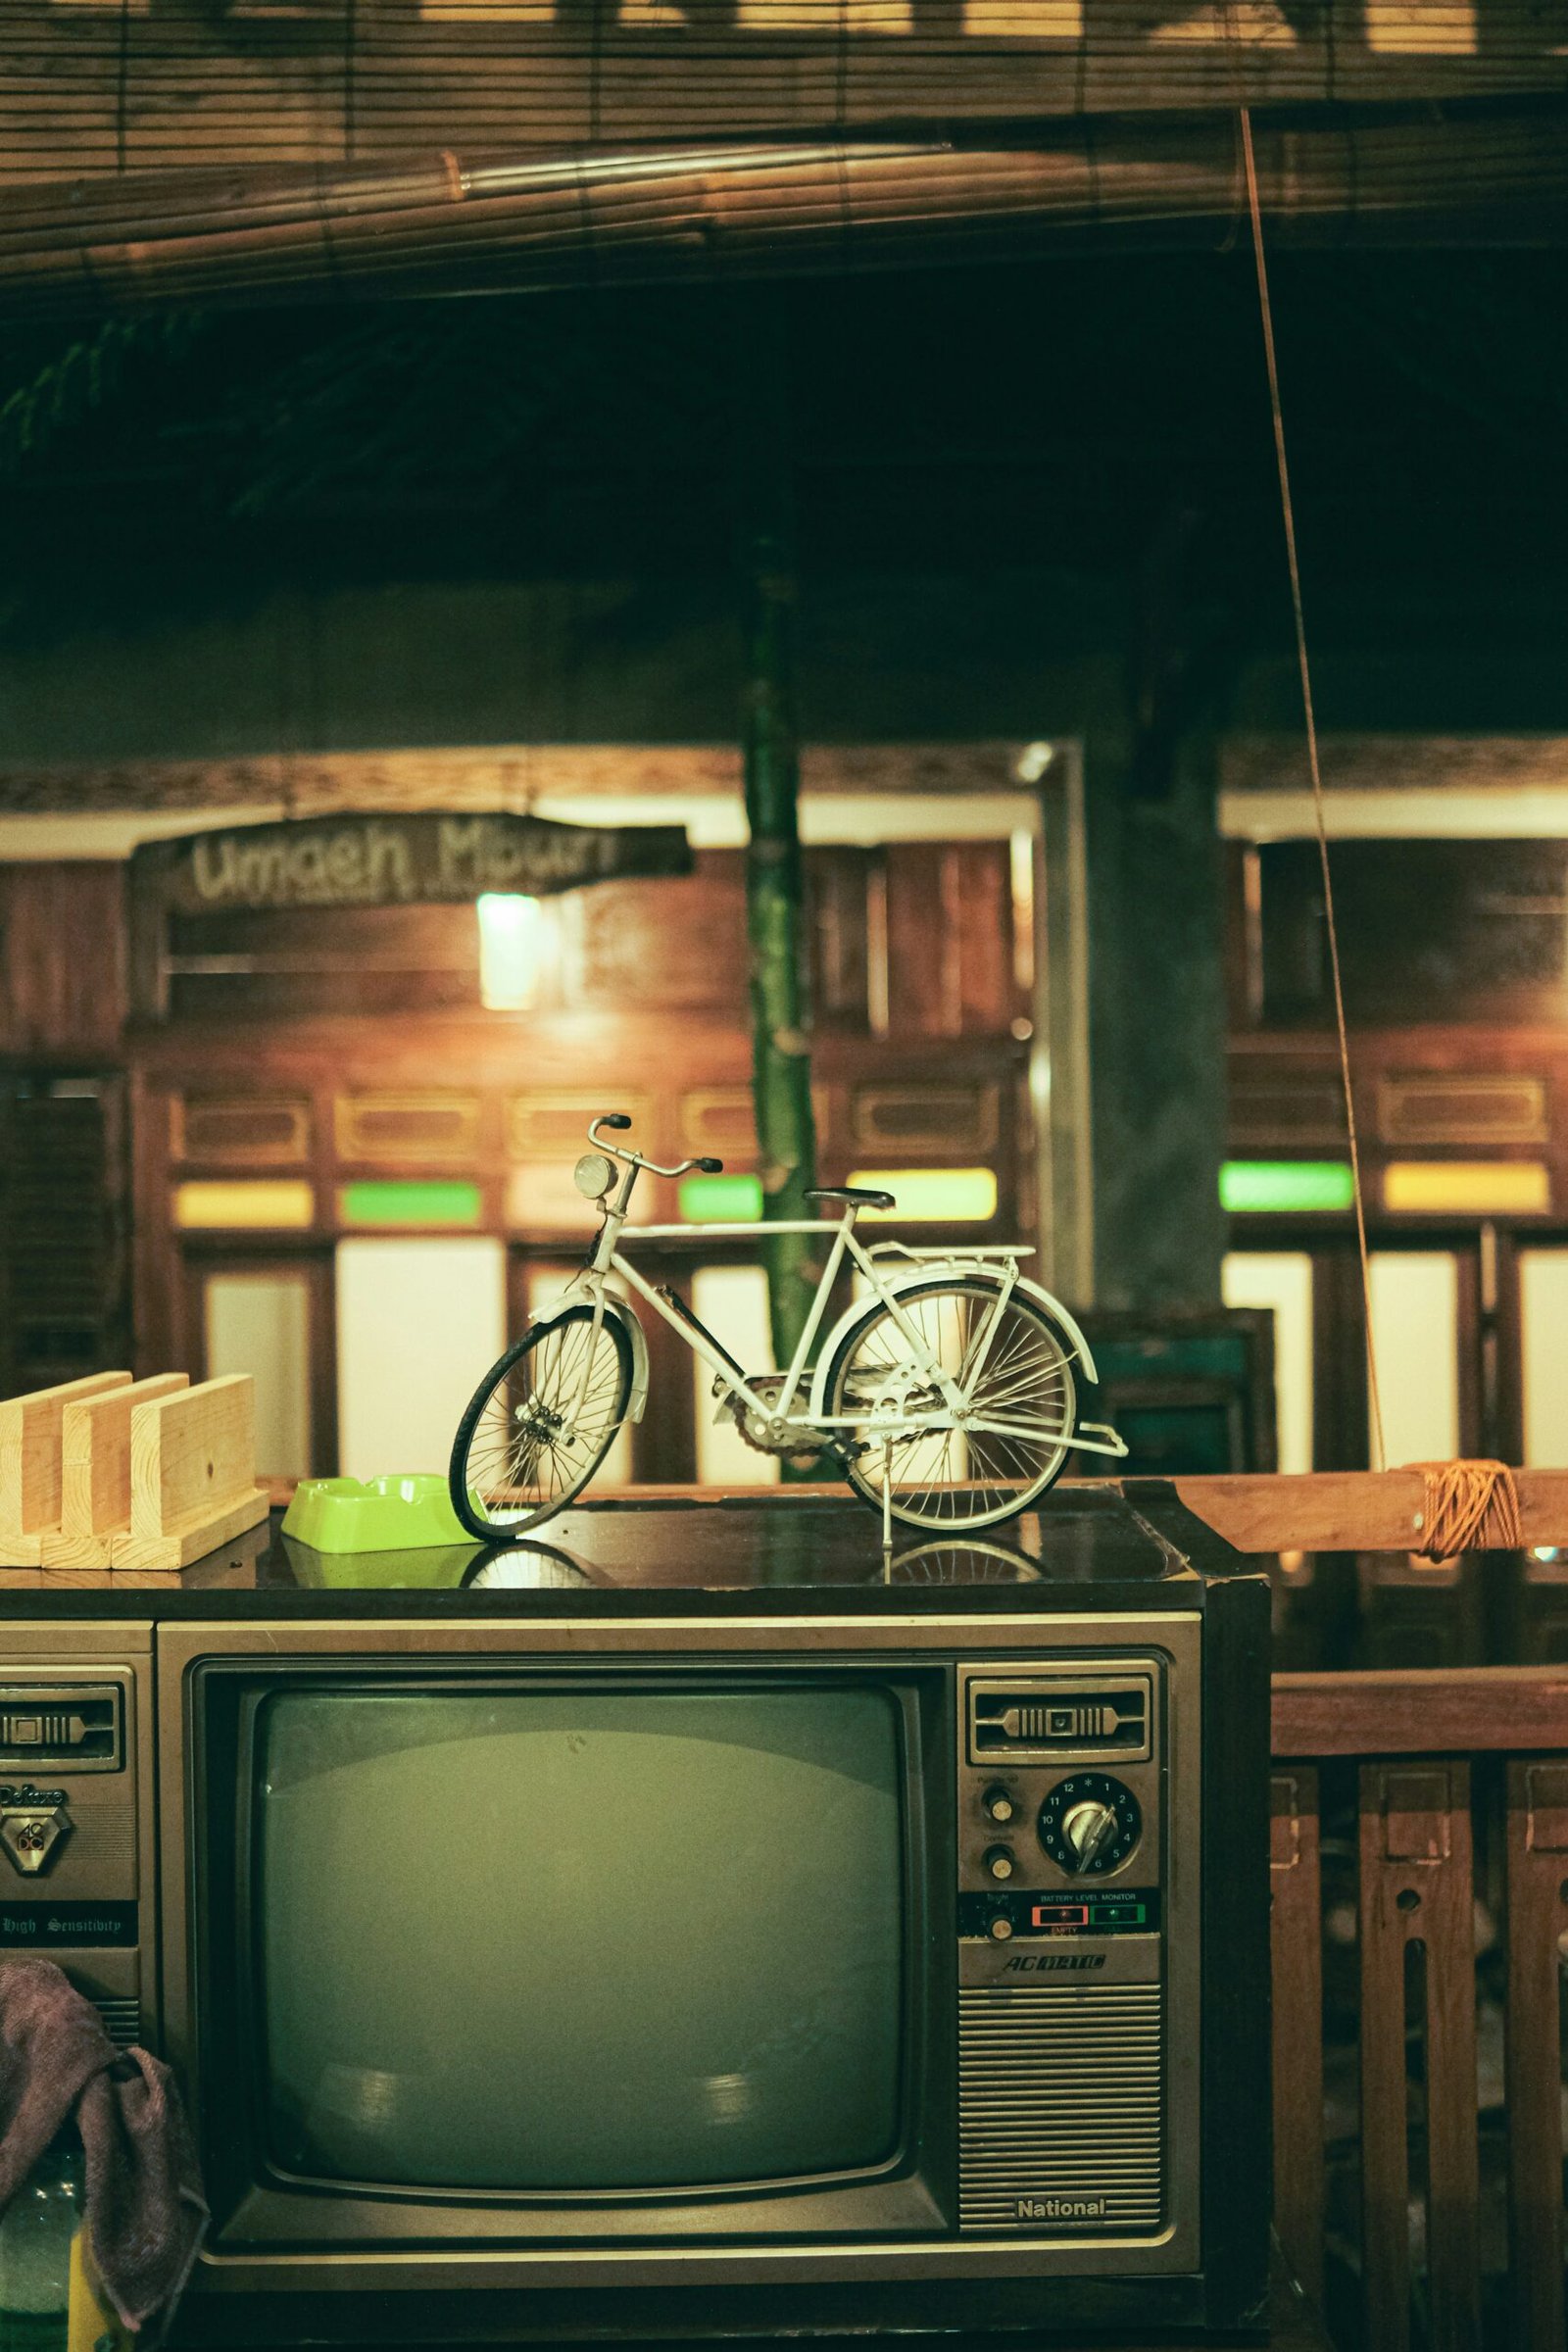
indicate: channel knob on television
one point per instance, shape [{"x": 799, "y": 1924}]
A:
[{"x": 1090, "y": 1824}]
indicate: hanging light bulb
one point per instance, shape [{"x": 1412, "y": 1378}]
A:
[{"x": 511, "y": 945}]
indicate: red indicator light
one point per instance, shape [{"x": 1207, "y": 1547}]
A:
[{"x": 1059, "y": 1915}]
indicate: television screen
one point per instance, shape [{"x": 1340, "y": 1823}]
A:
[{"x": 568, "y": 1941}]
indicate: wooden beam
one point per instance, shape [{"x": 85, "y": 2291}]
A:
[
  {"x": 1379, "y": 764},
  {"x": 483, "y": 776},
  {"x": 1476, "y": 1710},
  {"x": 1355, "y": 1510}
]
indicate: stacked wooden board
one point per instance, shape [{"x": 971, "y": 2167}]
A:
[{"x": 114, "y": 1473}]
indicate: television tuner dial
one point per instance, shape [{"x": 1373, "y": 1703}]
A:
[{"x": 1090, "y": 1824}]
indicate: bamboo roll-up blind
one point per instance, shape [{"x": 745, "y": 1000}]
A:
[
  {"x": 641, "y": 215},
  {"x": 110, "y": 87}
]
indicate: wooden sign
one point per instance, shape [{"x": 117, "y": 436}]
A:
[{"x": 396, "y": 861}]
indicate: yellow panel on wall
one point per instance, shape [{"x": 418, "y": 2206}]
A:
[
  {"x": 1467, "y": 1188},
  {"x": 931, "y": 1196},
  {"x": 267, "y": 1204}
]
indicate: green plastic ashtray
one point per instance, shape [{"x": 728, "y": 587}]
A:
[{"x": 411, "y": 1512}]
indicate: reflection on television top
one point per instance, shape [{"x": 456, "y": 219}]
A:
[{"x": 1107, "y": 1542}]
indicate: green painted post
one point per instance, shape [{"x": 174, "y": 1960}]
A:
[{"x": 781, "y": 1068}]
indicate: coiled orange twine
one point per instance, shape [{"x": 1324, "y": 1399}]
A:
[{"x": 1470, "y": 1506}]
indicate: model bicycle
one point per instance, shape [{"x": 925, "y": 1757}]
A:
[{"x": 948, "y": 1393}]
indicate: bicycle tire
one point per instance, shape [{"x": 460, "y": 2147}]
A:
[
  {"x": 957, "y": 1503},
  {"x": 475, "y": 1457}
]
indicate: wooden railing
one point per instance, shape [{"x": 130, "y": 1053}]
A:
[{"x": 1431, "y": 1794}]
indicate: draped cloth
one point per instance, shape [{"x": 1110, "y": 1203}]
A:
[{"x": 145, "y": 2212}]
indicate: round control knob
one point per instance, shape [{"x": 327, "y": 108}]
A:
[
  {"x": 998, "y": 1805},
  {"x": 1000, "y": 1931},
  {"x": 1090, "y": 1824},
  {"x": 1088, "y": 1828},
  {"x": 999, "y": 1862}
]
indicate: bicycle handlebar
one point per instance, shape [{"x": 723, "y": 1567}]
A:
[{"x": 635, "y": 1160}]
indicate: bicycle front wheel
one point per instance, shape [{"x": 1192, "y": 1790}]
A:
[
  {"x": 1011, "y": 1438},
  {"x": 539, "y": 1424}
]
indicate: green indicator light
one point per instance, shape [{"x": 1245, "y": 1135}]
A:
[
  {"x": 721, "y": 1200},
  {"x": 409, "y": 1204},
  {"x": 1263, "y": 1185}
]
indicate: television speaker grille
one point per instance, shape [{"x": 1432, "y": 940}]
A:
[
  {"x": 1061, "y": 2108},
  {"x": 120, "y": 2013}
]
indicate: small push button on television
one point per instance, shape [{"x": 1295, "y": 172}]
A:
[
  {"x": 1090, "y": 1824},
  {"x": 999, "y": 1862},
  {"x": 1001, "y": 1929},
  {"x": 998, "y": 1805}
]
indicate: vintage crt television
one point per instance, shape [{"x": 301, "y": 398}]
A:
[{"x": 700, "y": 1927}]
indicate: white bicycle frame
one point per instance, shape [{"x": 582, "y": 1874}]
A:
[{"x": 999, "y": 1262}]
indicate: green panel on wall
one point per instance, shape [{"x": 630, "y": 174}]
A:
[
  {"x": 1275, "y": 1185},
  {"x": 721, "y": 1200},
  {"x": 414, "y": 1201}
]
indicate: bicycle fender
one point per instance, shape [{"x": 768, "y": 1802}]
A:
[
  {"x": 1069, "y": 1324},
  {"x": 941, "y": 1270},
  {"x": 575, "y": 1295}
]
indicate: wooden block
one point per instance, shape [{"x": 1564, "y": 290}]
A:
[
  {"x": 84, "y": 1573},
  {"x": 1353, "y": 1510},
  {"x": 30, "y": 1460},
  {"x": 95, "y": 1472},
  {"x": 192, "y": 1475},
  {"x": 178, "y": 1548}
]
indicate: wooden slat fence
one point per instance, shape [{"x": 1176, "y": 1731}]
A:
[{"x": 1458, "y": 1789}]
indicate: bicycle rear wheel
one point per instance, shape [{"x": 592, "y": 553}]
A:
[
  {"x": 539, "y": 1424},
  {"x": 1022, "y": 1403}
]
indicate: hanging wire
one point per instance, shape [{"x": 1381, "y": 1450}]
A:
[{"x": 1379, "y": 1460}]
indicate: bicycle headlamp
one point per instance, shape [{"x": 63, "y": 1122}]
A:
[{"x": 594, "y": 1175}]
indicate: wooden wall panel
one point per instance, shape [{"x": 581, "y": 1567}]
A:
[
  {"x": 1296, "y": 1882},
  {"x": 936, "y": 918},
  {"x": 1417, "y": 1902},
  {"x": 63, "y": 959},
  {"x": 979, "y": 907},
  {"x": 64, "y": 1273},
  {"x": 643, "y": 1007},
  {"x": 1535, "y": 1848}
]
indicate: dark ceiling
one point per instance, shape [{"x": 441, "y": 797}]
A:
[{"x": 1068, "y": 414}]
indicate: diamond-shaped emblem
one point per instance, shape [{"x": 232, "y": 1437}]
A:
[{"x": 31, "y": 1833}]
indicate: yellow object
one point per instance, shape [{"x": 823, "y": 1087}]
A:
[
  {"x": 1476, "y": 1187},
  {"x": 90, "y": 2324},
  {"x": 931, "y": 1196},
  {"x": 266, "y": 1202}
]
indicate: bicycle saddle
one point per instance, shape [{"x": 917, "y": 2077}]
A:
[{"x": 853, "y": 1195}]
